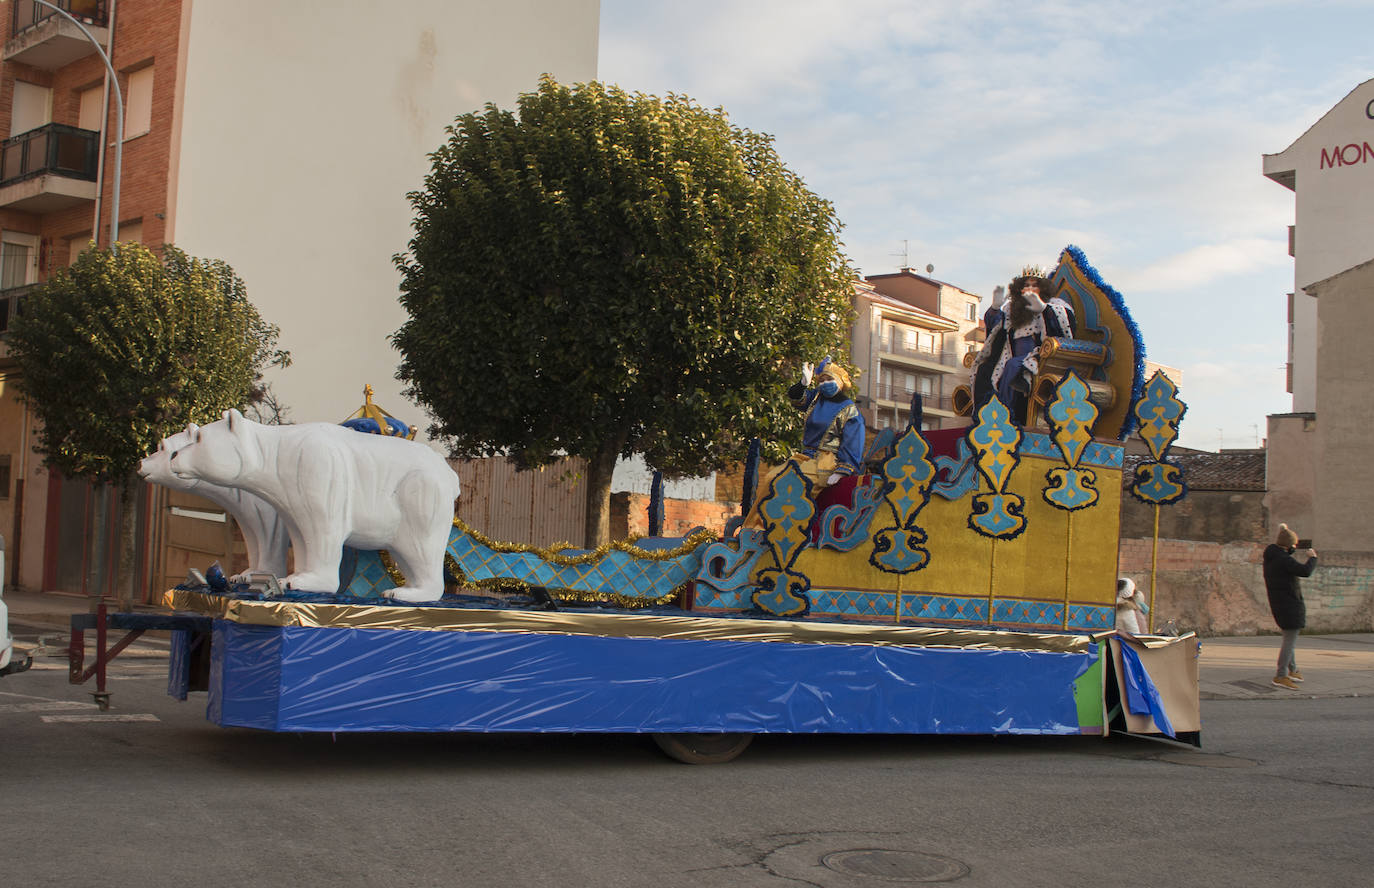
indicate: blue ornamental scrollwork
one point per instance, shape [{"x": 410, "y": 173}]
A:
[
  {"x": 1158, "y": 483},
  {"x": 843, "y": 528},
  {"x": 728, "y": 566},
  {"x": 899, "y": 548},
  {"x": 996, "y": 514},
  {"x": 786, "y": 511},
  {"x": 959, "y": 473},
  {"x": 1159, "y": 412},
  {"x": 781, "y": 592},
  {"x": 1071, "y": 416}
]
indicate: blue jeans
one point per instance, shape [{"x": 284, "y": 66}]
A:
[{"x": 1286, "y": 662}]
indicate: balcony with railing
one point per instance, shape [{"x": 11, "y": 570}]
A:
[
  {"x": 901, "y": 395},
  {"x": 41, "y": 38},
  {"x": 12, "y": 303},
  {"x": 898, "y": 347},
  {"x": 48, "y": 169}
]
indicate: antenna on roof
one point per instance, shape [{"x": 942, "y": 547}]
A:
[{"x": 905, "y": 254}]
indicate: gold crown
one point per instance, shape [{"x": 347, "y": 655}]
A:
[{"x": 1033, "y": 271}]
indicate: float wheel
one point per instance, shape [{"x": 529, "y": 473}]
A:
[{"x": 703, "y": 749}]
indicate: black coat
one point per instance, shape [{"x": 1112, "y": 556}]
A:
[{"x": 1281, "y": 572}]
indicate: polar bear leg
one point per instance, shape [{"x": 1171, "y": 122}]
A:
[
  {"x": 426, "y": 515},
  {"x": 423, "y": 568},
  {"x": 255, "y": 538},
  {"x": 319, "y": 488},
  {"x": 411, "y": 595},
  {"x": 320, "y": 571},
  {"x": 271, "y": 537},
  {"x": 317, "y": 558},
  {"x": 275, "y": 549},
  {"x": 251, "y": 542}
]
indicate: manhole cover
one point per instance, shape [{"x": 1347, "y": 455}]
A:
[
  {"x": 895, "y": 866},
  {"x": 1207, "y": 760},
  {"x": 1258, "y": 687}
]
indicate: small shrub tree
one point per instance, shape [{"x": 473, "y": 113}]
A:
[{"x": 124, "y": 348}]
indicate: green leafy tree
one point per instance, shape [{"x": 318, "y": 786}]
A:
[
  {"x": 604, "y": 273},
  {"x": 122, "y": 349}
]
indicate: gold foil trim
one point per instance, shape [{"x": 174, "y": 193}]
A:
[
  {"x": 553, "y": 554},
  {"x": 687, "y": 626}
]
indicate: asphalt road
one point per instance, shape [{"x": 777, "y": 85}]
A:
[{"x": 151, "y": 794}]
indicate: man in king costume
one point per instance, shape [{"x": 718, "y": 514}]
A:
[
  {"x": 832, "y": 435},
  {"x": 1008, "y": 361}
]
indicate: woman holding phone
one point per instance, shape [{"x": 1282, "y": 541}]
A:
[{"x": 1281, "y": 573}]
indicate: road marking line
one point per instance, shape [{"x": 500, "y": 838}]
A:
[
  {"x": 45, "y": 707},
  {"x": 122, "y": 717},
  {"x": 28, "y": 697}
]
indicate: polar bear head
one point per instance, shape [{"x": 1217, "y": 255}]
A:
[
  {"x": 156, "y": 466},
  {"x": 222, "y": 453}
]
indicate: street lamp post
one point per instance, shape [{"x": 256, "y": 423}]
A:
[{"x": 119, "y": 118}]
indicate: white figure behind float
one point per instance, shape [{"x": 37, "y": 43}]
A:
[
  {"x": 1130, "y": 608},
  {"x": 336, "y": 487},
  {"x": 265, "y": 533}
]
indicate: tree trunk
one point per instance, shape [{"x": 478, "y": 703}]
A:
[
  {"x": 597, "y": 531},
  {"x": 123, "y": 569}
]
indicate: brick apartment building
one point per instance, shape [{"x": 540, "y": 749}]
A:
[
  {"x": 911, "y": 333},
  {"x": 282, "y": 138}
]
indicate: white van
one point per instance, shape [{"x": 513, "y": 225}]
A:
[{"x": 8, "y": 661}]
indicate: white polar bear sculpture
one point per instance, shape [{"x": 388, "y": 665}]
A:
[
  {"x": 336, "y": 487},
  {"x": 264, "y": 532}
]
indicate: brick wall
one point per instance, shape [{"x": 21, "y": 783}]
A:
[
  {"x": 730, "y": 483},
  {"x": 1215, "y": 515},
  {"x": 147, "y": 33},
  {"x": 630, "y": 515},
  {"x": 1218, "y": 588}
]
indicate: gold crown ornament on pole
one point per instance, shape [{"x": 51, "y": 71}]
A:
[{"x": 386, "y": 423}]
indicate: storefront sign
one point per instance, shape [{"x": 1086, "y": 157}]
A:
[{"x": 1347, "y": 155}]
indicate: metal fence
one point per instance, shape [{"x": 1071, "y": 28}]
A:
[
  {"x": 899, "y": 347},
  {"x": 539, "y": 507},
  {"x": 12, "y": 303},
  {"x": 55, "y": 148},
  {"x": 902, "y": 395},
  {"x": 26, "y": 13}
]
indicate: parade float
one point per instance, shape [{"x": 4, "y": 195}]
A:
[{"x": 964, "y": 582}]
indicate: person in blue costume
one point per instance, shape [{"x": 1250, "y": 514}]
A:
[
  {"x": 832, "y": 434},
  {"x": 1010, "y": 358}
]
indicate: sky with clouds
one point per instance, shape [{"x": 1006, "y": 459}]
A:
[{"x": 989, "y": 134}]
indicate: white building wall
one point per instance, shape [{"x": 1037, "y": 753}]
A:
[
  {"x": 1332, "y": 165},
  {"x": 302, "y": 128},
  {"x": 1345, "y": 365}
]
